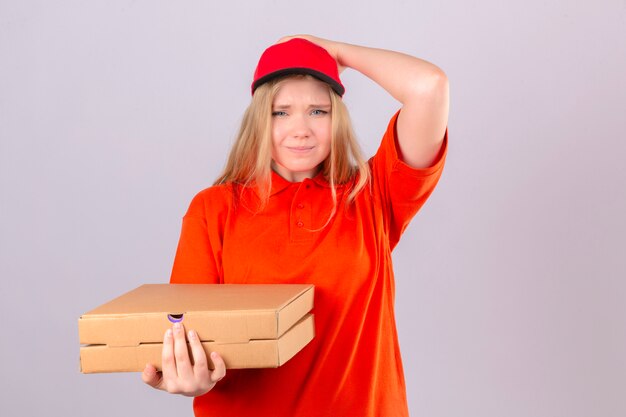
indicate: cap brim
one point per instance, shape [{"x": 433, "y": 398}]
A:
[{"x": 338, "y": 88}]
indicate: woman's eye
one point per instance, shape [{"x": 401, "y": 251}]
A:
[
  {"x": 278, "y": 113},
  {"x": 319, "y": 112}
]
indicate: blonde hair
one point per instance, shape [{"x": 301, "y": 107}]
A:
[{"x": 249, "y": 162}]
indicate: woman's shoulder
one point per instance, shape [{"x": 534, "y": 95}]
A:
[
  {"x": 216, "y": 191},
  {"x": 217, "y": 197}
]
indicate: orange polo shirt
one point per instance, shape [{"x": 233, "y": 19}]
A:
[{"x": 353, "y": 365}]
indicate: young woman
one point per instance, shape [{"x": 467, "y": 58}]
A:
[{"x": 297, "y": 203}]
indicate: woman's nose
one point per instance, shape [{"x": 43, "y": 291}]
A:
[{"x": 300, "y": 127}]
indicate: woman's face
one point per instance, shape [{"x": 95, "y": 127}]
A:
[{"x": 301, "y": 128}]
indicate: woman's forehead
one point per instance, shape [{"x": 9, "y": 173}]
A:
[{"x": 302, "y": 88}]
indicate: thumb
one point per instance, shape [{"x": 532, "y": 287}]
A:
[{"x": 151, "y": 377}]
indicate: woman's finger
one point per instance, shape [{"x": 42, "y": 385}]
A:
[
  {"x": 220, "y": 367},
  {"x": 200, "y": 365},
  {"x": 168, "y": 363},
  {"x": 181, "y": 353},
  {"x": 151, "y": 377}
]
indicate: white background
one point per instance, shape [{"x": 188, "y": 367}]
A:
[{"x": 511, "y": 287}]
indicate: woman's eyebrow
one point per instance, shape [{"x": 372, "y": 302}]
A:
[{"x": 313, "y": 105}]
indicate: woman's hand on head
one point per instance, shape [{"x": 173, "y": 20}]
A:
[
  {"x": 179, "y": 374},
  {"x": 332, "y": 47}
]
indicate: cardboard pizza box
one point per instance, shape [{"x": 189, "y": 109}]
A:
[{"x": 250, "y": 326}]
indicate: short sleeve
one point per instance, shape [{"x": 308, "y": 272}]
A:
[
  {"x": 199, "y": 251},
  {"x": 402, "y": 190}
]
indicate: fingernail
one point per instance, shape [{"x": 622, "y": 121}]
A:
[
  {"x": 168, "y": 333},
  {"x": 191, "y": 334},
  {"x": 213, "y": 355},
  {"x": 177, "y": 327}
]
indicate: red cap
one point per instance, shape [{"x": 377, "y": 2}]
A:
[{"x": 297, "y": 56}]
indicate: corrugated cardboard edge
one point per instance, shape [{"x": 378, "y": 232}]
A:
[
  {"x": 297, "y": 308},
  {"x": 150, "y": 327},
  {"x": 254, "y": 354},
  {"x": 295, "y": 339}
]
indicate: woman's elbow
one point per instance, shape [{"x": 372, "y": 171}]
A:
[{"x": 433, "y": 83}]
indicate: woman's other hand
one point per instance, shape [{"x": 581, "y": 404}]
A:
[
  {"x": 331, "y": 47},
  {"x": 179, "y": 375}
]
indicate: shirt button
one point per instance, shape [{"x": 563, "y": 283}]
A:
[
  {"x": 300, "y": 206},
  {"x": 300, "y": 224}
]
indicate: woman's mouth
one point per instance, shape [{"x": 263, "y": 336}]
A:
[{"x": 300, "y": 149}]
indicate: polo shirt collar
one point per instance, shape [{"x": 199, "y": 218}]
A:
[{"x": 279, "y": 183}]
